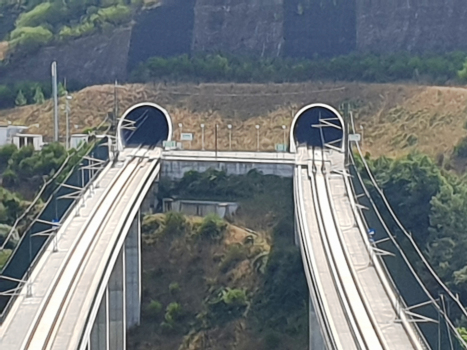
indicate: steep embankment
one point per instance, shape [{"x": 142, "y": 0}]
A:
[
  {"x": 416, "y": 26},
  {"x": 396, "y": 119}
]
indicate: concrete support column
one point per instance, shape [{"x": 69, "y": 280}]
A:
[
  {"x": 133, "y": 273},
  {"x": 99, "y": 334},
  {"x": 296, "y": 235},
  {"x": 116, "y": 295},
  {"x": 316, "y": 338}
]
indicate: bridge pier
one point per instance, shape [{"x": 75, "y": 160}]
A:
[
  {"x": 316, "y": 339},
  {"x": 120, "y": 308},
  {"x": 99, "y": 334},
  {"x": 116, "y": 293},
  {"x": 133, "y": 273}
]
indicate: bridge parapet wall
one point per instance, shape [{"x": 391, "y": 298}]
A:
[{"x": 175, "y": 169}]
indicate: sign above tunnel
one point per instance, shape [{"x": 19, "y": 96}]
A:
[{"x": 186, "y": 136}]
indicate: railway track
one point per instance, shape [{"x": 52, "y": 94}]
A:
[
  {"x": 355, "y": 304},
  {"x": 44, "y": 326}
]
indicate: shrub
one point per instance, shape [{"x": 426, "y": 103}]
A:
[
  {"x": 20, "y": 99},
  {"x": 80, "y": 30},
  {"x": 115, "y": 14},
  {"x": 39, "y": 96},
  {"x": 235, "y": 297},
  {"x": 30, "y": 38},
  {"x": 173, "y": 313},
  {"x": 174, "y": 287},
  {"x": 5, "y": 154},
  {"x": 151, "y": 223},
  {"x": 154, "y": 308},
  {"x": 9, "y": 178},
  {"x": 175, "y": 223},
  {"x": 7, "y": 97},
  {"x": 212, "y": 227},
  {"x": 235, "y": 253},
  {"x": 4, "y": 256},
  {"x": 47, "y": 12},
  {"x": 461, "y": 148}
]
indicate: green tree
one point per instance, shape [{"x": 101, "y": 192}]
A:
[
  {"x": 20, "y": 99},
  {"x": 61, "y": 89},
  {"x": 6, "y": 152},
  {"x": 39, "y": 96}
]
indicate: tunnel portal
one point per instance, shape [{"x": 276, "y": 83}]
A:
[
  {"x": 317, "y": 125},
  {"x": 145, "y": 124}
]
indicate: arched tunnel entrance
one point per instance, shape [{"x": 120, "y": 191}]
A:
[
  {"x": 145, "y": 124},
  {"x": 318, "y": 125}
]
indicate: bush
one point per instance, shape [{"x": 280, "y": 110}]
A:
[
  {"x": 173, "y": 313},
  {"x": 151, "y": 223},
  {"x": 6, "y": 152},
  {"x": 80, "y": 30},
  {"x": 4, "y": 256},
  {"x": 461, "y": 148},
  {"x": 175, "y": 223},
  {"x": 174, "y": 287},
  {"x": 235, "y": 297},
  {"x": 47, "y": 12},
  {"x": 154, "y": 308},
  {"x": 355, "y": 66},
  {"x": 9, "y": 178},
  {"x": 30, "y": 38},
  {"x": 212, "y": 227},
  {"x": 115, "y": 14},
  {"x": 235, "y": 253}
]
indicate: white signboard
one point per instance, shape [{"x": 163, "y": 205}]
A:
[
  {"x": 280, "y": 147},
  {"x": 355, "y": 137},
  {"x": 186, "y": 136},
  {"x": 169, "y": 144}
]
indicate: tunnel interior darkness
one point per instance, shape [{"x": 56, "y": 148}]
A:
[
  {"x": 330, "y": 130},
  {"x": 146, "y": 125}
]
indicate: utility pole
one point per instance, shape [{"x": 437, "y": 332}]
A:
[
  {"x": 257, "y": 138},
  {"x": 67, "y": 113},
  {"x": 202, "y": 137},
  {"x": 283, "y": 128},
  {"x": 115, "y": 112},
  {"x": 215, "y": 133},
  {"x": 230, "y": 136},
  {"x": 55, "y": 97}
]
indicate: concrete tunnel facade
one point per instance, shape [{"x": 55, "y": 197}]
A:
[
  {"x": 318, "y": 125},
  {"x": 146, "y": 124}
]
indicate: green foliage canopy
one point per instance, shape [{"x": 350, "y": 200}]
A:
[{"x": 432, "y": 205}]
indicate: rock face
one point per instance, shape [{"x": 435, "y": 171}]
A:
[
  {"x": 96, "y": 59},
  {"x": 262, "y": 28},
  {"x": 411, "y": 25},
  {"x": 163, "y": 31},
  {"x": 318, "y": 28},
  {"x": 239, "y": 26}
]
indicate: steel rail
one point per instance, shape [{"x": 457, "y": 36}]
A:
[
  {"x": 321, "y": 306},
  {"x": 346, "y": 301},
  {"x": 47, "y": 299},
  {"x": 123, "y": 225}
]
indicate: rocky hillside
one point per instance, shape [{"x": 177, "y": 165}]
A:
[
  {"x": 415, "y": 26},
  {"x": 286, "y": 28}
]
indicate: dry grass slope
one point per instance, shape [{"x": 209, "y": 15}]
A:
[{"x": 396, "y": 118}]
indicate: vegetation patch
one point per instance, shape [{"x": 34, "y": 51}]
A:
[
  {"x": 432, "y": 204},
  {"x": 209, "y": 283}
]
